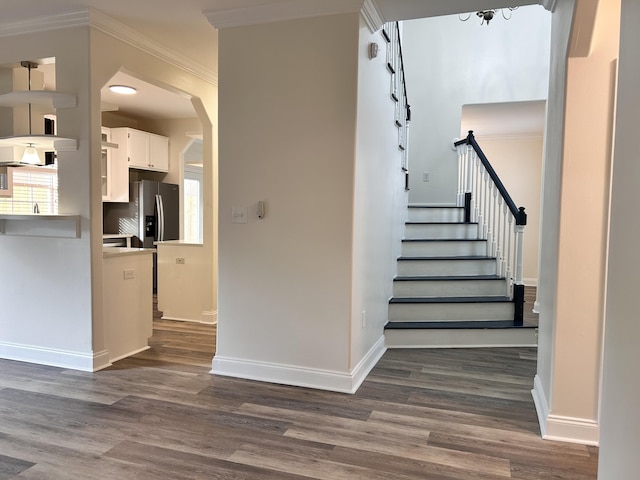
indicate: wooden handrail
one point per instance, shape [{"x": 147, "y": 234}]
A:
[{"x": 517, "y": 212}]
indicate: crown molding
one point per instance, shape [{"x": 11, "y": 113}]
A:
[
  {"x": 548, "y": 4},
  {"x": 100, "y": 21},
  {"x": 371, "y": 15},
  {"x": 44, "y": 24},
  {"x": 277, "y": 11},
  {"x": 106, "y": 24}
]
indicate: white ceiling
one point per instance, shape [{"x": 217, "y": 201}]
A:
[{"x": 182, "y": 27}]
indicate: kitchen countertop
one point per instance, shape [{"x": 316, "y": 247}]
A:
[
  {"x": 120, "y": 251},
  {"x": 179, "y": 243}
]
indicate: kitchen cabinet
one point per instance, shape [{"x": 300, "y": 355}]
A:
[
  {"x": 142, "y": 150},
  {"x": 114, "y": 171}
]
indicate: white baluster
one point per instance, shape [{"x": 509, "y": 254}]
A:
[
  {"x": 519, "y": 249},
  {"x": 509, "y": 257},
  {"x": 489, "y": 235},
  {"x": 460, "y": 149},
  {"x": 494, "y": 242},
  {"x": 498, "y": 233}
]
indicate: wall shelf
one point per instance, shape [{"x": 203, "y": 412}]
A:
[
  {"x": 45, "y": 142},
  {"x": 38, "y": 97},
  {"x": 36, "y": 225}
]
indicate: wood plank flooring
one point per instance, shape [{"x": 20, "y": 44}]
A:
[{"x": 421, "y": 414}]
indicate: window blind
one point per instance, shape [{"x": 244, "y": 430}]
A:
[{"x": 32, "y": 186}]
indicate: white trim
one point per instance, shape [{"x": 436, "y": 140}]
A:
[
  {"x": 120, "y": 31},
  {"x": 530, "y": 282},
  {"x": 536, "y": 307},
  {"x": 84, "y": 361},
  {"x": 342, "y": 382},
  {"x": 548, "y": 4},
  {"x": 208, "y": 318},
  {"x": 133, "y": 352},
  {"x": 45, "y": 24},
  {"x": 110, "y": 26},
  {"x": 278, "y": 11},
  {"x": 540, "y": 402},
  {"x": 360, "y": 372},
  {"x": 560, "y": 428},
  {"x": 371, "y": 15}
]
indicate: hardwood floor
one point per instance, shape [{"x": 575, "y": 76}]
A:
[{"x": 420, "y": 414}]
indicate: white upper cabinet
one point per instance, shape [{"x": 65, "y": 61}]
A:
[{"x": 141, "y": 150}]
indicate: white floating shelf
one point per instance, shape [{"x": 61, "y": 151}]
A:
[
  {"x": 60, "y": 226},
  {"x": 45, "y": 142},
  {"x": 38, "y": 97}
]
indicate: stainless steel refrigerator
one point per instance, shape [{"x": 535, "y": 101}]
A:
[{"x": 152, "y": 215}]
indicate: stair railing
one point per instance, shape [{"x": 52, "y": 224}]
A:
[
  {"x": 487, "y": 203},
  {"x": 398, "y": 91}
]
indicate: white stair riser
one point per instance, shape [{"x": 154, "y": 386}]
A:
[
  {"x": 436, "y": 214},
  {"x": 443, "y": 248},
  {"x": 448, "y": 312},
  {"x": 446, "y": 267},
  {"x": 447, "y": 338},
  {"x": 449, "y": 288},
  {"x": 436, "y": 230}
]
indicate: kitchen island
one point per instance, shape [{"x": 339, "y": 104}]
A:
[{"x": 127, "y": 300}]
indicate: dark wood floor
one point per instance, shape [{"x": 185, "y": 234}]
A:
[{"x": 421, "y": 414}]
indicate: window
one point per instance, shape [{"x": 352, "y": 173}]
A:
[
  {"x": 193, "y": 204},
  {"x": 34, "y": 190}
]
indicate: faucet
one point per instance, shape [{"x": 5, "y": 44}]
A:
[{"x": 36, "y": 208}]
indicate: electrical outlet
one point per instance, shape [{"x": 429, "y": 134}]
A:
[
  {"x": 364, "y": 318},
  {"x": 425, "y": 177},
  {"x": 238, "y": 214},
  {"x": 180, "y": 260},
  {"x": 128, "y": 274}
]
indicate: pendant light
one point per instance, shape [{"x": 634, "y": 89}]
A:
[{"x": 30, "y": 155}]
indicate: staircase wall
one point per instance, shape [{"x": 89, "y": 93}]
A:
[
  {"x": 380, "y": 201},
  {"x": 507, "y": 61}
]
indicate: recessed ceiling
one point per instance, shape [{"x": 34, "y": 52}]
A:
[{"x": 150, "y": 101}]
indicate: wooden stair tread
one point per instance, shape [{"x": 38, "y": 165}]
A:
[
  {"x": 470, "y": 324},
  {"x": 406, "y": 278},
  {"x": 456, "y": 257},
  {"x": 488, "y": 299},
  {"x": 443, "y": 240}
]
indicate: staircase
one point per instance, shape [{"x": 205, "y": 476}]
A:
[{"x": 447, "y": 292}]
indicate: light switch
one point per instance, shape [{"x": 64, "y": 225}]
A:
[{"x": 238, "y": 214}]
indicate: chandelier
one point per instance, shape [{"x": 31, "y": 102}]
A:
[{"x": 486, "y": 16}]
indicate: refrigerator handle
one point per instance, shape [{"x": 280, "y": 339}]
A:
[{"x": 160, "y": 210}]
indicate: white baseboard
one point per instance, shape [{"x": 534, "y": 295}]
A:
[
  {"x": 560, "y": 428},
  {"x": 84, "y": 361},
  {"x": 536, "y": 307},
  {"x": 125, "y": 355},
  {"x": 530, "y": 282},
  {"x": 210, "y": 318},
  {"x": 342, "y": 382}
]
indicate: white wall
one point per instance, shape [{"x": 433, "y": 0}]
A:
[
  {"x": 620, "y": 431},
  {"x": 506, "y": 61},
  {"x": 47, "y": 284},
  {"x": 287, "y": 128},
  {"x": 52, "y": 288},
  {"x": 518, "y": 162},
  {"x": 380, "y": 200},
  {"x": 575, "y": 218}
]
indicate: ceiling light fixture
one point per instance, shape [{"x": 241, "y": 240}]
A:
[
  {"x": 30, "y": 155},
  {"x": 123, "y": 89},
  {"x": 488, "y": 15}
]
